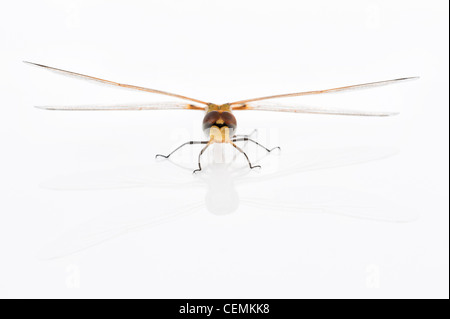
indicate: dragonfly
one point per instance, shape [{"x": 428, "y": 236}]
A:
[{"x": 219, "y": 123}]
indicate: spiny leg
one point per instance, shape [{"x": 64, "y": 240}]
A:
[
  {"x": 187, "y": 143},
  {"x": 199, "y": 157},
  {"x": 245, "y": 135},
  {"x": 240, "y": 150},
  {"x": 250, "y": 140}
]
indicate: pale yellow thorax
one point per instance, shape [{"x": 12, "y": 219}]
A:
[{"x": 215, "y": 107}]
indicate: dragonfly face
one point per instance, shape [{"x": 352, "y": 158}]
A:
[{"x": 219, "y": 123}]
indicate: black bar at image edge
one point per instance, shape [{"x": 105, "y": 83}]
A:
[{"x": 224, "y": 308}]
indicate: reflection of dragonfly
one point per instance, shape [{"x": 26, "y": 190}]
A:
[
  {"x": 223, "y": 198},
  {"x": 219, "y": 124}
]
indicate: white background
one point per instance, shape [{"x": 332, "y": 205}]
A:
[{"x": 351, "y": 207}]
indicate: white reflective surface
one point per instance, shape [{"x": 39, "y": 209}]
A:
[{"x": 351, "y": 207}]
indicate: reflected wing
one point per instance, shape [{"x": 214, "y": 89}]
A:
[
  {"x": 126, "y": 107},
  {"x": 134, "y": 87},
  {"x": 339, "y": 89},
  {"x": 334, "y": 201},
  {"x": 99, "y": 230},
  {"x": 309, "y": 110},
  {"x": 294, "y": 162}
]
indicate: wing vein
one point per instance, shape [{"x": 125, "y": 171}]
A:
[
  {"x": 311, "y": 110},
  {"x": 129, "y": 86},
  {"x": 343, "y": 88},
  {"x": 125, "y": 107}
]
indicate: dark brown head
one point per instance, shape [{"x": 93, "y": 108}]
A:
[{"x": 219, "y": 119}]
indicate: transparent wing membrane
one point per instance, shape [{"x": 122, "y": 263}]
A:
[
  {"x": 309, "y": 110},
  {"x": 134, "y": 87},
  {"x": 238, "y": 105},
  {"x": 339, "y": 89},
  {"x": 126, "y": 107}
]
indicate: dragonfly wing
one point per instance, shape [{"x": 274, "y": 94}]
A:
[
  {"x": 126, "y": 107},
  {"x": 314, "y": 200},
  {"x": 309, "y": 110},
  {"x": 134, "y": 87},
  {"x": 339, "y": 89},
  {"x": 112, "y": 225}
]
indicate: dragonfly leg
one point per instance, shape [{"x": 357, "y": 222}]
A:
[
  {"x": 240, "y": 150},
  {"x": 250, "y": 140},
  {"x": 245, "y": 135},
  {"x": 199, "y": 157},
  {"x": 187, "y": 143}
]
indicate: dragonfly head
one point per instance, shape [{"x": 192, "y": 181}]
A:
[{"x": 219, "y": 123}]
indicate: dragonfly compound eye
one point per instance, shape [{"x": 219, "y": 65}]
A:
[
  {"x": 210, "y": 119},
  {"x": 229, "y": 120}
]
